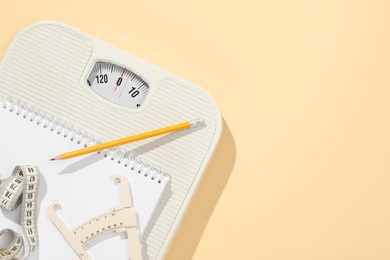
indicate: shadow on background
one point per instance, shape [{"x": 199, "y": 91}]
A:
[{"x": 205, "y": 200}]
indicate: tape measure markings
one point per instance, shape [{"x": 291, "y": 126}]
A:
[
  {"x": 14, "y": 248},
  {"x": 23, "y": 183}
]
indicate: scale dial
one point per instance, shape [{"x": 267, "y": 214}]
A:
[{"x": 118, "y": 84}]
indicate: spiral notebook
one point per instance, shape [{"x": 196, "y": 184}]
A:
[
  {"x": 48, "y": 65},
  {"x": 83, "y": 185}
]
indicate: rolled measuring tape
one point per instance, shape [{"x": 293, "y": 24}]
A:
[{"x": 21, "y": 188}]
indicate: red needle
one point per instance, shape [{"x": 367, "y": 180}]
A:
[{"x": 123, "y": 72}]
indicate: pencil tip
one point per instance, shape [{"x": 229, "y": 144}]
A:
[{"x": 52, "y": 159}]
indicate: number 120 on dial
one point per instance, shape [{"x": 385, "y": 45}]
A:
[{"x": 118, "y": 84}]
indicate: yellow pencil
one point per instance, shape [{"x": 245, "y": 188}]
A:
[{"x": 129, "y": 139}]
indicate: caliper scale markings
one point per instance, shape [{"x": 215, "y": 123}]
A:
[
  {"x": 121, "y": 219},
  {"x": 118, "y": 219}
]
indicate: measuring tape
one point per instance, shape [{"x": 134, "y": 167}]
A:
[
  {"x": 119, "y": 219},
  {"x": 21, "y": 188}
]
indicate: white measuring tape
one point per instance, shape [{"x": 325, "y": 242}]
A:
[{"x": 21, "y": 188}]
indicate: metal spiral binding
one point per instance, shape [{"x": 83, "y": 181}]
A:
[{"x": 80, "y": 136}]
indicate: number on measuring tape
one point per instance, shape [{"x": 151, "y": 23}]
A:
[{"x": 21, "y": 188}]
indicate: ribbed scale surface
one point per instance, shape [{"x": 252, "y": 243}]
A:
[{"x": 44, "y": 69}]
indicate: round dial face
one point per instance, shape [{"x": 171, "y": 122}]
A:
[{"x": 118, "y": 84}]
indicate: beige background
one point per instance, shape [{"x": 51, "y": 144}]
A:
[{"x": 302, "y": 170}]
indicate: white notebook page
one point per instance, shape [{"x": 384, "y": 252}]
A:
[{"x": 83, "y": 186}]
